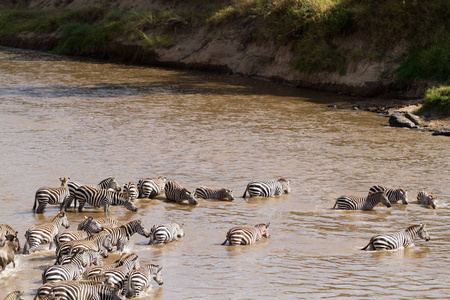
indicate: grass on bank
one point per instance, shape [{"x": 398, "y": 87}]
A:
[{"x": 437, "y": 100}]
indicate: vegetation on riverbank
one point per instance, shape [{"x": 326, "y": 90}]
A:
[
  {"x": 323, "y": 35},
  {"x": 437, "y": 100}
]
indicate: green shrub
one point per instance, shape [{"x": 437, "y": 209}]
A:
[{"x": 436, "y": 100}]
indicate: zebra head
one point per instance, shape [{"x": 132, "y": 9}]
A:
[
  {"x": 90, "y": 225},
  {"x": 157, "y": 276},
  {"x": 403, "y": 195},
  {"x": 113, "y": 183},
  {"x": 130, "y": 205},
  {"x": 379, "y": 195},
  {"x": 285, "y": 185},
  {"x": 190, "y": 197},
  {"x": 264, "y": 229},
  {"x": 98, "y": 260},
  {"x": 107, "y": 242},
  {"x": 64, "y": 181},
  {"x": 141, "y": 229},
  {"x": 131, "y": 261},
  {"x": 227, "y": 194},
  {"x": 178, "y": 229},
  {"x": 423, "y": 234},
  {"x": 61, "y": 218}
]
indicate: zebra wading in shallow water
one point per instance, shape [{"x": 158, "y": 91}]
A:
[
  {"x": 176, "y": 193},
  {"x": 246, "y": 235},
  {"x": 204, "y": 192},
  {"x": 93, "y": 257},
  {"x": 268, "y": 188},
  {"x": 121, "y": 235},
  {"x": 105, "y": 184},
  {"x": 394, "y": 195},
  {"x": 426, "y": 199},
  {"x": 88, "y": 228},
  {"x": 99, "y": 197},
  {"x": 78, "y": 289},
  {"x": 98, "y": 270},
  {"x": 140, "y": 279},
  {"x": 164, "y": 233},
  {"x": 99, "y": 242},
  {"x": 71, "y": 271},
  {"x": 362, "y": 203},
  {"x": 52, "y": 196},
  {"x": 151, "y": 187},
  {"x": 45, "y": 233},
  {"x": 131, "y": 190},
  {"x": 398, "y": 240}
]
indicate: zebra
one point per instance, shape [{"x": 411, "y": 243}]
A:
[
  {"x": 246, "y": 235},
  {"x": 394, "y": 195},
  {"x": 151, "y": 187},
  {"x": 131, "y": 190},
  {"x": 121, "y": 235},
  {"x": 100, "y": 197},
  {"x": 362, "y": 203},
  {"x": 107, "y": 222},
  {"x": 119, "y": 274},
  {"x": 164, "y": 233},
  {"x": 98, "y": 242},
  {"x": 93, "y": 257},
  {"x": 268, "y": 188},
  {"x": 209, "y": 193},
  {"x": 88, "y": 228},
  {"x": 78, "y": 289},
  {"x": 71, "y": 271},
  {"x": 425, "y": 198},
  {"x": 140, "y": 279},
  {"x": 16, "y": 295},
  {"x": 5, "y": 229},
  {"x": 107, "y": 183},
  {"x": 177, "y": 193},
  {"x": 399, "y": 240},
  {"x": 45, "y": 233},
  {"x": 97, "y": 270},
  {"x": 48, "y": 195}
]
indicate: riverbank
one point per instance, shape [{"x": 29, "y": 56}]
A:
[{"x": 346, "y": 47}]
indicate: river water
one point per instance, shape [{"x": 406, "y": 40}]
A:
[{"x": 63, "y": 117}]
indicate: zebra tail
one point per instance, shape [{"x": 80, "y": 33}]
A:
[
  {"x": 224, "y": 243},
  {"x": 367, "y": 246},
  {"x": 35, "y": 201},
  {"x": 245, "y": 192},
  {"x": 335, "y": 204}
]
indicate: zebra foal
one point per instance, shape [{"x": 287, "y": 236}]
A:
[
  {"x": 165, "y": 233},
  {"x": 394, "y": 195},
  {"x": 362, "y": 203},
  {"x": 140, "y": 279},
  {"x": 204, "y": 192},
  {"x": 399, "y": 240},
  {"x": 246, "y": 235},
  {"x": 151, "y": 187},
  {"x": 176, "y": 193},
  {"x": 45, "y": 233},
  {"x": 268, "y": 188},
  {"x": 426, "y": 199},
  {"x": 53, "y": 196}
]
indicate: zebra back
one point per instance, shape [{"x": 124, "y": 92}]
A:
[
  {"x": 210, "y": 193},
  {"x": 244, "y": 235},
  {"x": 140, "y": 279},
  {"x": 164, "y": 233},
  {"x": 151, "y": 187},
  {"x": 79, "y": 289},
  {"x": 267, "y": 188},
  {"x": 394, "y": 195},
  {"x": 71, "y": 271},
  {"x": 131, "y": 190},
  {"x": 119, "y": 274},
  {"x": 97, "y": 270},
  {"x": 362, "y": 203},
  {"x": 402, "y": 239},
  {"x": 121, "y": 235},
  {"x": 425, "y": 198},
  {"x": 49, "y": 195},
  {"x": 176, "y": 193}
]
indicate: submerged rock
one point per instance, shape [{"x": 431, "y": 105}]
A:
[
  {"x": 399, "y": 120},
  {"x": 443, "y": 131}
]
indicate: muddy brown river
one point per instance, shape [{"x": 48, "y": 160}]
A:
[{"x": 63, "y": 117}]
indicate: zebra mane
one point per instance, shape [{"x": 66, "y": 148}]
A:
[
  {"x": 415, "y": 227},
  {"x": 61, "y": 214},
  {"x": 371, "y": 193}
]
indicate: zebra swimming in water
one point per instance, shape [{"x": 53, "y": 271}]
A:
[
  {"x": 246, "y": 235},
  {"x": 100, "y": 197},
  {"x": 426, "y": 199},
  {"x": 268, "y": 188},
  {"x": 151, "y": 187},
  {"x": 164, "y": 233},
  {"x": 394, "y": 195},
  {"x": 71, "y": 271},
  {"x": 140, "y": 279},
  {"x": 204, "y": 192},
  {"x": 45, "y": 233},
  {"x": 53, "y": 196},
  {"x": 176, "y": 193},
  {"x": 362, "y": 203},
  {"x": 399, "y": 240}
]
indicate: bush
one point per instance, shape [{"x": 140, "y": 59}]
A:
[{"x": 437, "y": 100}]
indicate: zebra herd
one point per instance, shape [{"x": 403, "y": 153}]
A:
[{"x": 79, "y": 272}]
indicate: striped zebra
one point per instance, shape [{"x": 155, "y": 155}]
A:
[
  {"x": 45, "y": 233},
  {"x": 98, "y": 270},
  {"x": 100, "y": 197},
  {"x": 140, "y": 279},
  {"x": 93, "y": 257},
  {"x": 16, "y": 295},
  {"x": 5, "y": 229},
  {"x": 204, "y": 192},
  {"x": 131, "y": 190},
  {"x": 246, "y": 235},
  {"x": 268, "y": 188},
  {"x": 362, "y": 203},
  {"x": 151, "y": 187},
  {"x": 71, "y": 271},
  {"x": 53, "y": 196},
  {"x": 426, "y": 199},
  {"x": 164, "y": 233},
  {"x": 176, "y": 193},
  {"x": 107, "y": 183},
  {"x": 121, "y": 235},
  {"x": 107, "y": 222},
  {"x": 88, "y": 228},
  {"x": 100, "y": 241},
  {"x": 119, "y": 274},
  {"x": 394, "y": 195},
  {"x": 78, "y": 289},
  {"x": 399, "y": 240}
]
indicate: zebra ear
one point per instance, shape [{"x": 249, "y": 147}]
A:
[
  {"x": 267, "y": 225},
  {"x": 159, "y": 269}
]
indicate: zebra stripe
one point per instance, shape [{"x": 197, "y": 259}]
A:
[
  {"x": 121, "y": 235},
  {"x": 164, "y": 233},
  {"x": 397, "y": 240},
  {"x": 93, "y": 257},
  {"x": 97, "y": 270},
  {"x": 140, "y": 279},
  {"x": 243, "y": 235},
  {"x": 98, "y": 242},
  {"x": 394, "y": 195},
  {"x": 88, "y": 228},
  {"x": 151, "y": 187},
  {"x": 108, "y": 222},
  {"x": 131, "y": 190},
  {"x": 176, "y": 193},
  {"x": 76, "y": 290},
  {"x": 71, "y": 271},
  {"x": 217, "y": 194},
  {"x": 362, "y": 203},
  {"x": 16, "y": 295},
  {"x": 99, "y": 197},
  {"x": 45, "y": 233},
  {"x": 5, "y": 229},
  {"x": 425, "y": 198},
  {"x": 53, "y": 196},
  {"x": 268, "y": 188}
]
